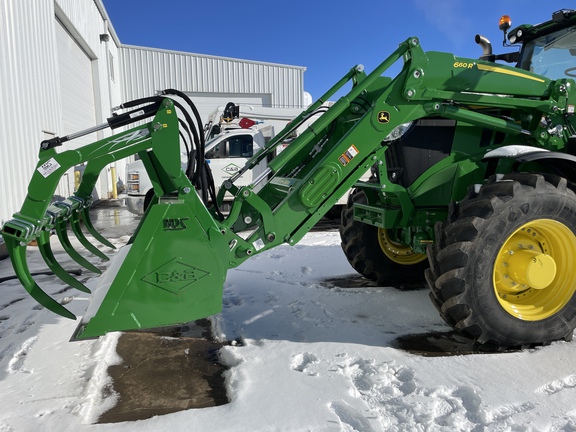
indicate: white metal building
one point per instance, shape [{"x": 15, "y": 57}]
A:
[
  {"x": 62, "y": 67},
  {"x": 210, "y": 81}
]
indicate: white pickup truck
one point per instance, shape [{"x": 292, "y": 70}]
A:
[{"x": 229, "y": 145}]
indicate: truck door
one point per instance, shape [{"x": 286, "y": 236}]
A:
[{"x": 229, "y": 155}]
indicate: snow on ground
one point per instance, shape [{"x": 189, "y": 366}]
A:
[{"x": 310, "y": 357}]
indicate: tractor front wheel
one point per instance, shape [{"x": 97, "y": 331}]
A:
[
  {"x": 502, "y": 269},
  {"x": 377, "y": 253}
]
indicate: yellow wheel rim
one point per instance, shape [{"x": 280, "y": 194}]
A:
[
  {"x": 533, "y": 272},
  {"x": 398, "y": 252}
]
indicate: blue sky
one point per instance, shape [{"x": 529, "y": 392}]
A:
[{"x": 327, "y": 38}]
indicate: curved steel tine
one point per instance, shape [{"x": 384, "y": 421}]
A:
[
  {"x": 48, "y": 255},
  {"x": 88, "y": 224},
  {"x": 75, "y": 224},
  {"x": 18, "y": 257},
  {"x": 63, "y": 237}
]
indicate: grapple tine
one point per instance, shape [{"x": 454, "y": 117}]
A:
[
  {"x": 61, "y": 232},
  {"x": 55, "y": 267},
  {"x": 17, "y": 254},
  {"x": 90, "y": 228},
  {"x": 75, "y": 224}
]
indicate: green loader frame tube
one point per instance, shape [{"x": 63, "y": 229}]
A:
[
  {"x": 353, "y": 74},
  {"x": 476, "y": 119},
  {"x": 338, "y": 108}
]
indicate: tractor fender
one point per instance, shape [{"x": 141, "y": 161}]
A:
[{"x": 559, "y": 163}]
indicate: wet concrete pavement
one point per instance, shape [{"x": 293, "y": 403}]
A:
[
  {"x": 165, "y": 371},
  {"x": 162, "y": 374}
]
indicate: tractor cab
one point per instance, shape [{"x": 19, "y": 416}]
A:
[{"x": 547, "y": 49}]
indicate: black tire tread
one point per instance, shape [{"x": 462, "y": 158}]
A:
[
  {"x": 449, "y": 257},
  {"x": 358, "y": 244}
]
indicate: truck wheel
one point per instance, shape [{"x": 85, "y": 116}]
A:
[
  {"x": 374, "y": 253},
  {"x": 502, "y": 271}
]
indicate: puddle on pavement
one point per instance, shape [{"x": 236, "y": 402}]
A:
[
  {"x": 440, "y": 344},
  {"x": 348, "y": 281},
  {"x": 162, "y": 373},
  {"x": 113, "y": 220},
  {"x": 358, "y": 281},
  {"x": 434, "y": 344}
]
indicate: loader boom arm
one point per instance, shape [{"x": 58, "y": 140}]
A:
[{"x": 175, "y": 265}]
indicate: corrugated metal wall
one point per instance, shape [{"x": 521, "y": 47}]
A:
[
  {"x": 147, "y": 70},
  {"x": 31, "y": 81},
  {"x": 29, "y": 89}
]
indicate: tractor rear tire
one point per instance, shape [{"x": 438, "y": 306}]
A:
[
  {"x": 502, "y": 268},
  {"x": 373, "y": 253}
]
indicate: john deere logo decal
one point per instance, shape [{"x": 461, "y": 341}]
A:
[
  {"x": 174, "y": 276},
  {"x": 383, "y": 117}
]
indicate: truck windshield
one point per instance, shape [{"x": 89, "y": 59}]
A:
[{"x": 553, "y": 56}]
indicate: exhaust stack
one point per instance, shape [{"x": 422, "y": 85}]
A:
[{"x": 486, "y": 47}]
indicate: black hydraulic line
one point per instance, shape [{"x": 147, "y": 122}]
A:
[
  {"x": 113, "y": 122},
  {"x": 203, "y": 172},
  {"x": 136, "y": 102},
  {"x": 119, "y": 120},
  {"x": 186, "y": 143},
  {"x": 192, "y": 136},
  {"x": 212, "y": 192},
  {"x": 199, "y": 174},
  {"x": 198, "y": 121},
  {"x": 196, "y": 137},
  {"x": 204, "y": 188}
]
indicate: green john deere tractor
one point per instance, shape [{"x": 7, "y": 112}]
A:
[{"x": 473, "y": 167}]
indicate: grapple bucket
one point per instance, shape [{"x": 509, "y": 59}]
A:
[{"x": 171, "y": 272}]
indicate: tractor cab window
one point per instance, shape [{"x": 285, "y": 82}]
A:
[
  {"x": 240, "y": 146},
  {"x": 553, "y": 56}
]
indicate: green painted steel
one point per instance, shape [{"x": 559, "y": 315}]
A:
[
  {"x": 175, "y": 265},
  {"x": 173, "y": 273}
]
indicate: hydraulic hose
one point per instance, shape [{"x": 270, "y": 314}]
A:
[
  {"x": 201, "y": 177},
  {"x": 202, "y": 144}
]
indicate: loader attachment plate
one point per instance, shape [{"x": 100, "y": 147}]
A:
[{"x": 172, "y": 273}]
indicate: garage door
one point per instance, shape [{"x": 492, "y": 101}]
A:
[
  {"x": 208, "y": 102},
  {"x": 77, "y": 92},
  {"x": 77, "y": 86}
]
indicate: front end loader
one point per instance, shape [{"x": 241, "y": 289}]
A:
[{"x": 472, "y": 183}]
